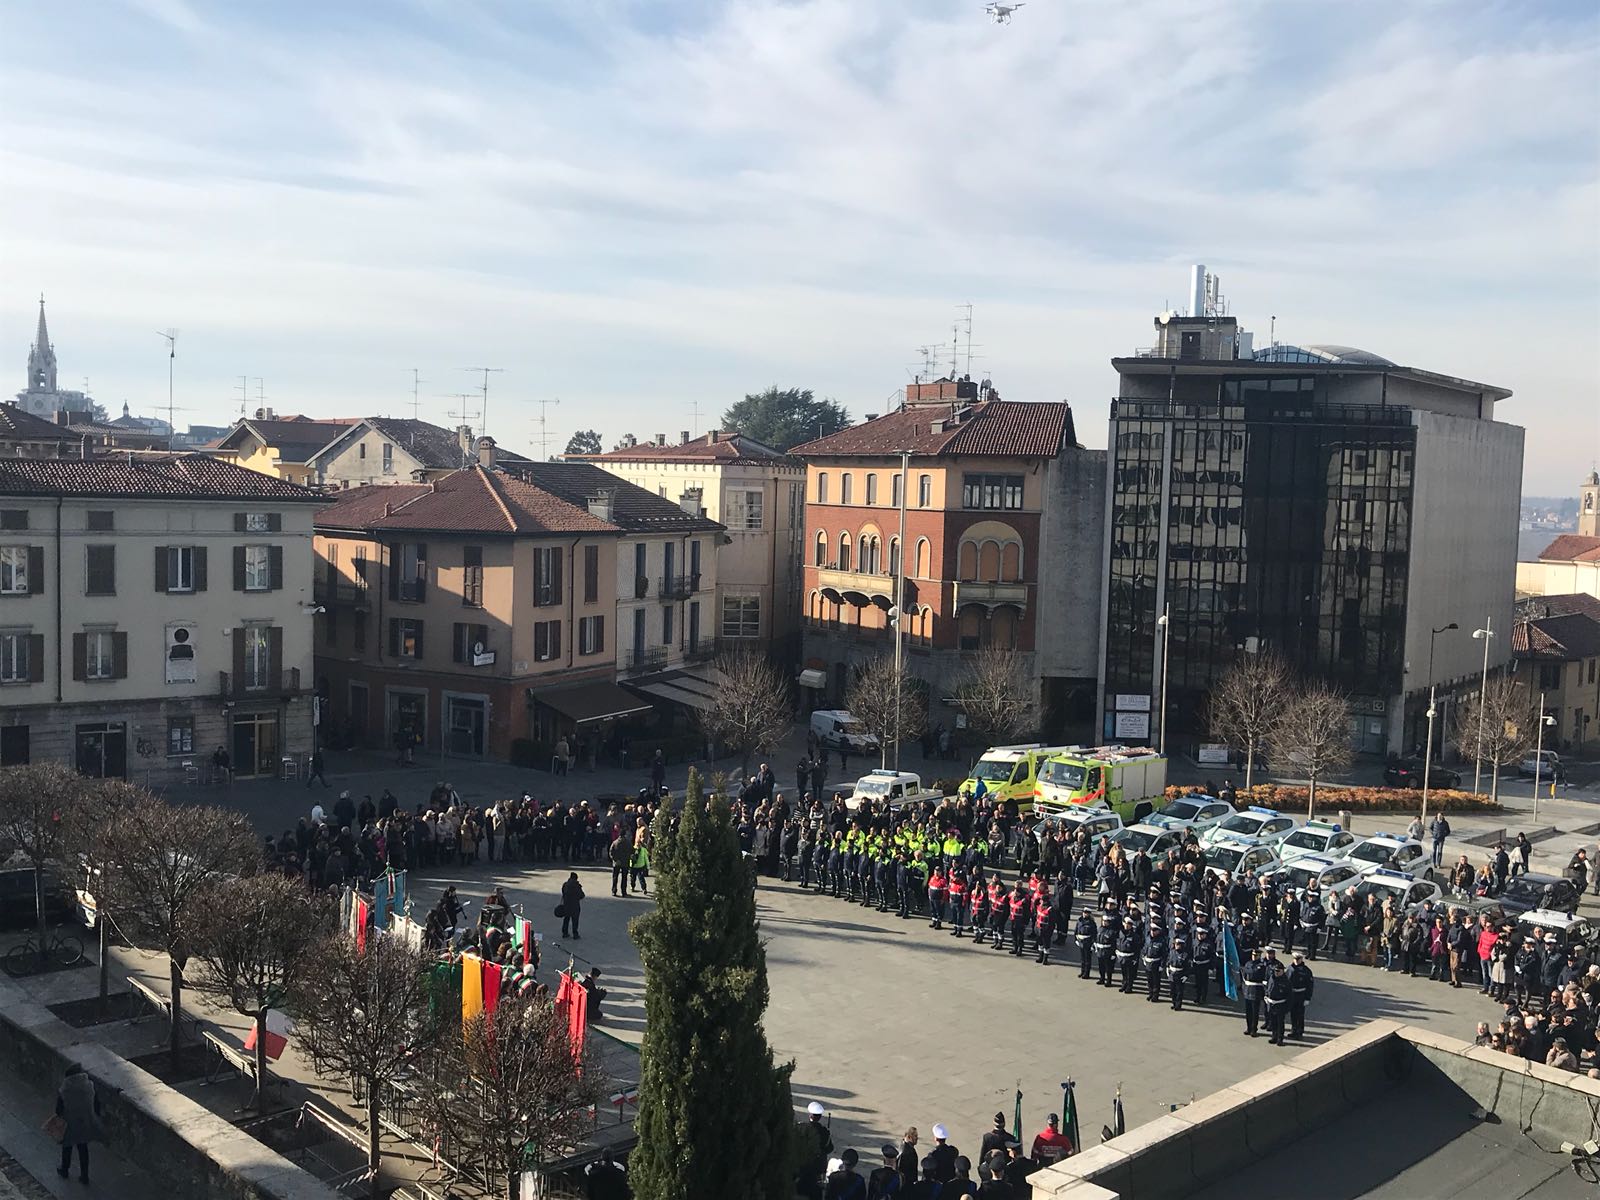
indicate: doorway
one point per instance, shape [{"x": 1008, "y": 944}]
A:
[
  {"x": 255, "y": 745},
  {"x": 467, "y": 719},
  {"x": 102, "y": 750},
  {"x": 408, "y": 718},
  {"x": 357, "y": 715},
  {"x": 14, "y": 746}
]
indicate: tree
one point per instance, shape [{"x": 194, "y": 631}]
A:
[
  {"x": 750, "y": 712},
  {"x": 715, "y": 1116},
  {"x": 364, "y": 1015},
  {"x": 88, "y": 823},
  {"x": 1312, "y": 736},
  {"x": 889, "y": 705},
  {"x": 35, "y": 801},
  {"x": 159, "y": 861},
  {"x": 1246, "y": 702},
  {"x": 585, "y": 441},
  {"x": 251, "y": 937},
  {"x": 997, "y": 696},
  {"x": 1498, "y": 729},
  {"x": 527, "y": 1091},
  {"x": 784, "y": 417}
]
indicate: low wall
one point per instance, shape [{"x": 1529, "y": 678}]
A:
[{"x": 188, "y": 1148}]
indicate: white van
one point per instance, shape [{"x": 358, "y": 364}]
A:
[{"x": 835, "y": 729}]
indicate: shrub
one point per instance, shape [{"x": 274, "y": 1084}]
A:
[{"x": 1289, "y": 797}]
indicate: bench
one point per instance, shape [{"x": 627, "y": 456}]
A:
[{"x": 143, "y": 997}]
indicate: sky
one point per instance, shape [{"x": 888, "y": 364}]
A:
[{"x": 643, "y": 209}]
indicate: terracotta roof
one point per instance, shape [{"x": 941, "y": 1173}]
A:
[
  {"x": 471, "y": 500},
  {"x": 433, "y": 446},
  {"x": 1572, "y": 547},
  {"x": 295, "y": 439},
  {"x": 1564, "y": 639},
  {"x": 1562, "y": 605},
  {"x": 18, "y": 424},
  {"x": 634, "y": 508},
  {"x": 713, "y": 447},
  {"x": 126, "y": 475},
  {"x": 989, "y": 428}
]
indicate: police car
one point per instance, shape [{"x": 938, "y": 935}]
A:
[
  {"x": 1328, "y": 875},
  {"x": 1198, "y": 813},
  {"x": 1571, "y": 932},
  {"x": 1254, "y": 822},
  {"x": 1152, "y": 839},
  {"x": 1392, "y": 850},
  {"x": 1316, "y": 837},
  {"x": 1095, "y": 822},
  {"x": 1410, "y": 892},
  {"x": 1238, "y": 855}
]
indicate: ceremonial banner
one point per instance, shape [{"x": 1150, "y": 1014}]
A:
[
  {"x": 471, "y": 987},
  {"x": 1230, "y": 963},
  {"x": 380, "y": 903},
  {"x": 279, "y": 1027},
  {"x": 491, "y": 987},
  {"x": 363, "y": 913}
]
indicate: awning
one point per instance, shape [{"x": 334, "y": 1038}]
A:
[
  {"x": 585, "y": 702},
  {"x": 811, "y": 677},
  {"x": 693, "y": 689}
]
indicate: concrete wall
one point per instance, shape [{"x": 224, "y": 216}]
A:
[
  {"x": 1558, "y": 579},
  {"x": 1071, "y": 566}
]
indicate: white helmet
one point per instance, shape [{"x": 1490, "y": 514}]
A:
[
  {"x": 815, "y": 1108},
  {"x": 940, "y": 1133}
]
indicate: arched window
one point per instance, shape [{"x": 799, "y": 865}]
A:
[
  {"x": 989, "y": 562},
  {"x": 894, "y": 555},
  {"x": 921, "y": 564},
  {"x": 1011, "y": 562},
  {"x": 927, "y": 624},
  {"x": 822, "y": 549},
  {"x": 814, "y": 605},
  {"x": 845, "y": 488},
  {"x": 967, "y": 562},
  {"x": 868, "y": 555},
  {"x": 822, "y": 487},
  {"x": 894, "y": 489},
  {"x": 1003, "y": 628},
  {"x": 844, "y": 552},
  {"x": 971, "y": 627},
  {"x": 924, "y": 490},
  {"x": 872, "y": 487}
]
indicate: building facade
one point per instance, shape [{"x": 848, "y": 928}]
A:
[
  {"x": 758, "y": 495},
  {"x": 281, "y": 447},
  {"x": 375, "y": 450},
  {"x": 1571, "y": 562},
  {"x": 1320, "y": 503},
  {"x": 1557, "y": 646},
  {"x": 151, "y": 611}
]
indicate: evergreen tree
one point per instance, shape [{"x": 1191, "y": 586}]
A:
[{"x": 715, "y": 1116}]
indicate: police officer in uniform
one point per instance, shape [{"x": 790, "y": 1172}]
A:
[
  {"x": 1204, "y": 956},
  {"x": 1154, "y": 955},
  {"x": 1312, "y": 918},
  {"x": 1084, "y": 936},
  {"x": 1277, "y": 998},
  {"x": 1253, "y": 975},
  {"x": 1105, "y": 947},
  {"x": 1301, "y": 985},
  {"x": 1128, "y": 954},
  {"x": 1177, "y": 968}
]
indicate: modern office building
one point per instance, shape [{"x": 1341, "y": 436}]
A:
[{"x": 1321, "y": 503}]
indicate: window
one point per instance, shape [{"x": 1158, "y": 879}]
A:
[
  {"x": 741, "y": 616},
  {"x": 844, "y": 552},
  {"x": 845, "y": 489},
  {"x": 405, "y": 637},
  {"x": 872, "y": 487},
  {"x": 257, "y": 674},
  {"x": 754, "y": 509},
  {"x": 991, "y": 491},
  {"x": 100, "y": 571},
  {"x": 894, "y": 490},
  {"x": 463, "y": 638},
  {"x": 546, "y": 576},
  {"x": 180, "y": 568},
  {"x": 920, "y": 567},
  {"x": 694, "y": 562},
  {"x": 691, "y": 628},
  {"x": 546, "y": 640},
  {"x": 411, "y": 576},
  {"x": 1550, "y": 677},
  {"x": 180, "y": 735},
  {"x": 13, "y": 518},
  {"x": 822, "y": 487},
  {"x": 16, "y": 657},
  {"x": 361, "y": 452},
  {"x": 924, "y": 490},
  {"x": 14, "y": 570},
  {"x": 388, "y": 459},
  {"x": 330, "y": 626},
  {"x": 257, "y": 569},
  {"x": 100, "y": 520},
  {"x": 591, "y": 574},
  {"x": 591, "y": 635},
  {"x": 359, "y": 640},
  {"x": 472, "y": 576},
  {"x": 822, "y": 549},
  {"x": 666, "y": 625},
  {"x": 894, "y": 556},
  {"x": 358, "y": 564},
  {"x": 100, "y": 655},
  {"x": 257, "y": 522}
]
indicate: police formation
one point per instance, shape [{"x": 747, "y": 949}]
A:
[{"x": 1155, "y": 924}]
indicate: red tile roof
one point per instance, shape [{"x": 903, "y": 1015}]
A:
[
  {"x": 128, "y": 475},
  {"x": 989, "y": 429},
  {"x": 633, "y": 508},
  {"x": 472, "y": 500},
  {"x": 1572, "y": 547},
  {"x": 713, "y": 447},
  {"x": 1562, "y": 605},
  {"x": 1566, "y": 638}
]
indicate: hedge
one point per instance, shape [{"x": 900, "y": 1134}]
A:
[{"x": 1289, "y": 797}]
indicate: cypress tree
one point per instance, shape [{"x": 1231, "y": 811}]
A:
[{"x": 715, "y": 1115}]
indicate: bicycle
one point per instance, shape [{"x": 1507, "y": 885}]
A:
[{"x": 63, "y": 950}]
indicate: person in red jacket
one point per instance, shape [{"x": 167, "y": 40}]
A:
[
  {"x": 1044, "y": 923},
  {"x": 1487, "y": 937},
  {"x": 979, "y": 911},
  {"x": 958, "y": 902},
  {"x": 936, "y": 890},
  {"x": 1018, "y": 908},
  {"x": 1051, "y": 1145}
]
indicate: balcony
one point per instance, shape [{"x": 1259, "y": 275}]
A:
[
  {"x": 991, "y": 595},
  {"x": 641, "y": 587},
  {"x": 343, "y": 594},
  {"x": 639, "y": 662},
  {"x": 704, "y": 651},
  {"x": 861, "y": 587},
  {"x": 678, "y": 587},
  {"x": 252, "y": 687}
]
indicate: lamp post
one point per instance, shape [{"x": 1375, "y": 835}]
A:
[
  {"x": 1164, "y": 623},
  {"x": 1484, "y": 635},
  {"x": 1538, "y": 756},
  {"x": 899, "y": 566},
  {"x": 1427, "y": 749}
]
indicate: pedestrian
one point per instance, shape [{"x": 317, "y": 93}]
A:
[
  {"x": 78, "y": 1110},
  {"x": 1440, "y": 829},
  {"x": 1301, "y": 985},
  {"x": 815, "y": 1143},
  {"x": 996, "y": 1140},
  {"x": 595, "y": 993},
  {"x": 884, "y": 1181},
  {"x": 315, "y": 770},
  {"x": 641, "y": 863},
  {"x": 943, "y": 1156},
  {"x": 906, "y": 1163},
  {"x": 562, "y": 755},
  {"x": 620, "y": 854},
  {"x": 1050, "y": 1145},
  {"x": 571, "y": 906}
]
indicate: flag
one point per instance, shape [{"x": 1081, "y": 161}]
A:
[
  {"x": 1119, "y": 1123},
  {"x": 380, "y": 902},
  {"x": 1230, "y": 963},
  {"x": 573, "y": 1003},
  {"x": 397, "y": 892},
  {"x": 1069, "y": 1115},
  {"x": 491, "y": 987},
  {"x": 1016, "y": 1124},
  {"x": 279, "y": 1027},
  {"x": 471, "y": 987},
  {"x": 363, "y": 914}
]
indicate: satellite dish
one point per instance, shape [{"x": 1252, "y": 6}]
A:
[{"x": 1166, "y": 316}]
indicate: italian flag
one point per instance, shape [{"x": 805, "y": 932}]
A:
[{"x": 279, "y": 1027}]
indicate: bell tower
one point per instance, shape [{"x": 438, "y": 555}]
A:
[
  {"x": 41, "y": 358},
  {"x": 1589, "y": 506}
]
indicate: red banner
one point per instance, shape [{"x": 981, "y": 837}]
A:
[
  {"x": 572, "y": 1002},
  {"x": 491, "y": 987},
  {"x": 363, "y": 915}
]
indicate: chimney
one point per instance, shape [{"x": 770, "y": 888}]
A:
[
  {"x": 486, "y": 455},
  {"x": 683, "y": 438},
  {"x": 464, "y": 437},
  {"x": 690, "y": 502},
  {"x": 603, "y": 503},
  {"x": 871, "y": 417},
  {"x": 661, "y": 439},
  {"x": 63, "y": 417},
  {"x": 388, "y": 508},
  {"x": 713, "y": 437}
]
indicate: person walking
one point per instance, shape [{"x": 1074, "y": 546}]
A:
[
  {"x": 1440, "y": 829},
  {"x": 620, "y": 854},
  {"x": 315, "y": 770},
  {"x": 571, "y": 906},
  {"x": 641, "y": 864},
  {"x": 78, "y": 1107}
]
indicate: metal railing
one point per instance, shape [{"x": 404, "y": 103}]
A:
[
  {"x": 652, "y": 658},
  {"x": 233, "y": 688},
  {"x": 679, "y": 587}
]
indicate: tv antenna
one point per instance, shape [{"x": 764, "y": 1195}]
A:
[
  {"x": 694, "y": 416},
  {"x": 483, "y": 415},
  {"x": 416, "y": 402},
  {"x": 172, "y": 360},
  {"x": 966, "y": 321},
  {"x": 462, "y": 412},
  {"x": 544, "y": 425},
  {"x": 930, "y": 362},
  {"x": 243, "y": 388}
]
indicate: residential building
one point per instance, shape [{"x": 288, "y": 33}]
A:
[
  {"x": 1556, "y": 642},
  {"x": 276, "y": 446},
  {"x": 402, "y": 450},
  {"x": 1002, "y": 530},
  {"x": 1571, "y": 562},
  {"x": 41, "y": 396},
  {"x": 153, "y": 609},
  {"x": 1321, "y": 503},
  {"x": 72, "y": 434},
  {"x": 758, "y": 495}
]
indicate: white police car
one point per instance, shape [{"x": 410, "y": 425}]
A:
[
  {"x": 1191, "y": 812},
  {"x": 1254, "y": 822},
  {"x": 1316, "y": 837},
  {"x": 1095, "y": 822},
  {"x": 1328, "y": 875},
  {"x": 1408, "y": 891},
  {"x": 1392, "y": 850},
  {"x": 1152, "y": 839},
  {"x": 1238, "y": 855}
]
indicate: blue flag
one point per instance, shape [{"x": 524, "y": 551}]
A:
[
  {"x": 1230, "y": 963},
  {"x": 380, "y": 902}
]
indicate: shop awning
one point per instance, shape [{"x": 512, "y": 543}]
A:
[
  {"x": 694, "y": 689},
  {"x": 586, "y": 702},
  {"x": 812, "y": 677}
]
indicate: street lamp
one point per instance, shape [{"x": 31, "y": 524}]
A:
[
  {"x": 899, "y": 569},
  {"x": 1427, "y": 750},
  {"x": 1538, "y": 755},
  {"x": 1164, "y": 623},
  {"x": 1484, "y": 635}
]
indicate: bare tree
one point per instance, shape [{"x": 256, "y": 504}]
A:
[
  {"x": 891, "y": 706},
  {"x": 1247, "y": 702},
  {"x": 88, "y": 823},
  {"x": 159, "y": 861},
  {"x": 513, "y": 1089},
  {"x": 364, "y": 1015},
  {"x": 750, "y": 712},
  {"x": 997, "y": 696},
  {"x": 251, "y": 937},
  {"x": 1312, "y": 736},
  {"x": 1499, "y": 729},
  {"x": 35, "y": 802}
]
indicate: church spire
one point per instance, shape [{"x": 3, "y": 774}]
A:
[{"x": 41, "y": 358}]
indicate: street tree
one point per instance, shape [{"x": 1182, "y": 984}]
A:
[
  {"x": 715, "y": 1115},
  {"x": 88, "y": 822},
  {"x": 1311, "y": 736},
  {"x": 585, "y": 441},
  {"x": 750, "y": 712},
  {"x": 251, "y": 938},
  {"x": 364, "y": 1014},
  {"x": 35, "y": 804},
  {"x": 998, "y": 698},
  {"x": 1245, "y": 704},
  {"x": 513, "y": 1091},
  {"x": 784, "y": 417},
  {"x": 1499, "y": 728},
  {"x": 890, "y": 705},
  {"x": 159, "y": 861}
]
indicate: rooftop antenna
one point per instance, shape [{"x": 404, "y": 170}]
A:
[
  {"x": 544, "y": 425},
  {"x": 694, "y": 417},
  {"x": 483, "y": 415},
  {"x": 967, "y": 308},
  {"x": 416, "y": 401},
  {"x": 461, "y": 412},
  {"x": 172, "y": 358},
  {"x": 929, "y": 362}
]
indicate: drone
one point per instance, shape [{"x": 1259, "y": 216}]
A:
[{"x": 1002, "y": 12}]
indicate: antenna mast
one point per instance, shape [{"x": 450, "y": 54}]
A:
[
  {"x": 416, "y": 402},
  {"x": 172, "y": 355},
  {"x": 483, "y": 415},
  {"x": 544, "y": 427}
]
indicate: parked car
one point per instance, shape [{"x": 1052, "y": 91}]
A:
[
  {"x": 1330, "y": 875},
  {"x": 1316, "y": 837},
  {"x": 1408, "y": 773},
  {"x": 1571, "y": 932},
  {"x": 1547, "y": 763},
  {"x": 1198, "y": 813},
  {"x": 1410, "y": 892},
  {"x": 1554, "y": 893},
  {"x": 17, "y": 908},
  {"x": 1253, "y": 822},
  {"x": 1238, "y": 855},
  {"x": 1392, "y": 850},
  {"x": 1095, "y": 822},
  {"x": 1152, "y": 839}
]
